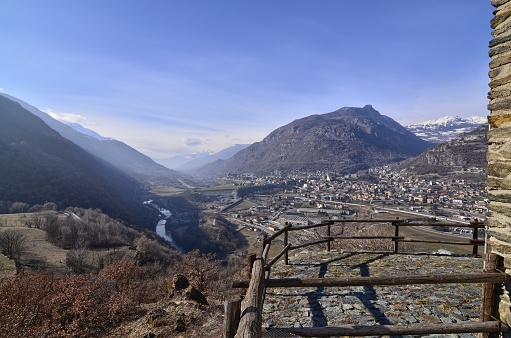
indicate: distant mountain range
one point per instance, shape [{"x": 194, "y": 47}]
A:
[
  {"x": 118, "y": 154},
  {"x": 446, "y": 128},
  {"x": 464, "y": 152},
  {"x": 190, "y": 162},
  {"x": 39, "y": 165},
  {"x": 346, "y": 140},
  {"x": 179, "y": 160}
]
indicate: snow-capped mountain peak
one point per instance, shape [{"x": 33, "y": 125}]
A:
[
  {"x": 81, "y": 129},
  {"x": 445, "y": 128}
]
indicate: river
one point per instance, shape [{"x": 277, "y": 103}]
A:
[{"x": 161, "y": 226}]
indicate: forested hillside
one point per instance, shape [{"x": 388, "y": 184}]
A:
[{"x": 39, "y": 166}]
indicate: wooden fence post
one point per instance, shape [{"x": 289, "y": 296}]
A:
[
  {"x": 475, "y": 234},
  {"x": 250, "y": 325},
  {"x": 396, "y": 234},
  {"x": 232, "y": 311},
  {"x": 286, "y": 255},
  {"x": 264, "y": 241},
  {"x": 250, "y": 263},
  {"x": 328, "y": 235},
  {"x": 490, "y": 297}
]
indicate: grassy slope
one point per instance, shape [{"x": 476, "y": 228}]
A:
[{"x": 40, "y": 253}]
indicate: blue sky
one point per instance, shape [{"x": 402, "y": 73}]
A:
[{"x": 173, "y": 77}]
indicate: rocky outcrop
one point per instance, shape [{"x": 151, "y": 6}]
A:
[{"x": 181, "y": 287}]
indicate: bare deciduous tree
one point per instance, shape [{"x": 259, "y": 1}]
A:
[
  {"x": 37, "y": 221},
  {"x": 76, "y": 260},
  {"x": 19, "y": 207},
  {"x": 13, "y": 244},
  {"x": 50, "y": 206}
]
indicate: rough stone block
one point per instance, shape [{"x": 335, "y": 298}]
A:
[
  {"x": 500, "y": 104},
  {"x": 502, "y": 234},
  {"x": 500, "y": 248},
  {"x": 498, "y": 152},
  {"x": 503, "y": 91},
  {"x": 498, "y": 221},
  {"x": 498, "y": 182},
  {"x": 502, "y": 76},
  {"x": 499, "y": 169},
  {"x": 500, "y": 196},
  {"x": 499, "y": 134},
  {"x": 502, "y": 15},
  {"x": 497, "y": 3},
  {"x": 502, "y": 47},
  {"x": 500, "y": 60}
]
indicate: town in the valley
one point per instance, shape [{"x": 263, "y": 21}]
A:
[{"x": 264, "y": 204}]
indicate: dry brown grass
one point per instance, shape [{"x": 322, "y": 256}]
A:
[
  {"x": 13, "y": 220},
  {"x": 166, "y": 191},
  {"x": 43, "y": 255},
  {"x": 40, "y": 254},
  {"x": 255, "y": 243}
]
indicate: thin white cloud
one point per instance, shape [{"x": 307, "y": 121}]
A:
[
  {"x": 66, "y": 117},
  {"x": 1, "y": 90},
  {"x": 191, "y": 142}
]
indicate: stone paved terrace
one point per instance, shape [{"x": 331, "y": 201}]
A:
[{"x": 378, "y": 305}]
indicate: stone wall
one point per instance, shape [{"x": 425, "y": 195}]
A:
[{"x": 499, "y": 137}]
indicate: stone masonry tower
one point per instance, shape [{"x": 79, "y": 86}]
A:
[{"x": 499, "y": 136}]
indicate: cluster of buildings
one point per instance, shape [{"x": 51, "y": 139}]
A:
[{"x": 306, "y": 198}]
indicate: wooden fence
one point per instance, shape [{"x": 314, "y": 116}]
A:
[{"x": 243, "y": 319}]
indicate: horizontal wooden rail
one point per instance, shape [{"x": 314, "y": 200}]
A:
[
  {"x": 452, "y": 225},
  {"x": 276, "y": 258},
  {"x": 367, "y": 221},
  {"x": 363, "y": 237},
  {"x": 483, "y": 277},
  {"x": 397, "y": 330},
  {"x": 469, "y": 242},
  {"x": 294, "y": 247},
  {"x": 278, "y": 233},
  {"x": 304, "y": 227}
]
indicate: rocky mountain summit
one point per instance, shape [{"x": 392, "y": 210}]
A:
[
  {"x": 465, "y": 152},
  {"x": 345, "y": 140},
  {"x": 445, "y": 128}
]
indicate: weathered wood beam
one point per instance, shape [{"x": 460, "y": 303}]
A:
[
  {"x": 304, "y": 227},
  {"x": 231, "y": 318},
  {"x": 278, "y": 233},
  {"x": 398, "y": 330},
  {"x": 367, "y": 220},
  {"x": 469, "y": 242},
  {"x": 294, "y": 247},
  {"x": 490, "y": 291},
  {"x": 276, "y": 258},
  {"x": 250, "y": 325},
  {"x": 452, "y": 225},
  {"x": 482, "y": 277},
  {"x": 363, "y": 237}
]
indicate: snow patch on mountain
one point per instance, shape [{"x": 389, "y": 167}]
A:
[
  {"x": 81, "y": 129},
  {"x": 445, "y": 128}
]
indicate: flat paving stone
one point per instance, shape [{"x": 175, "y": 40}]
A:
[{"x": 378, "y": 305}]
